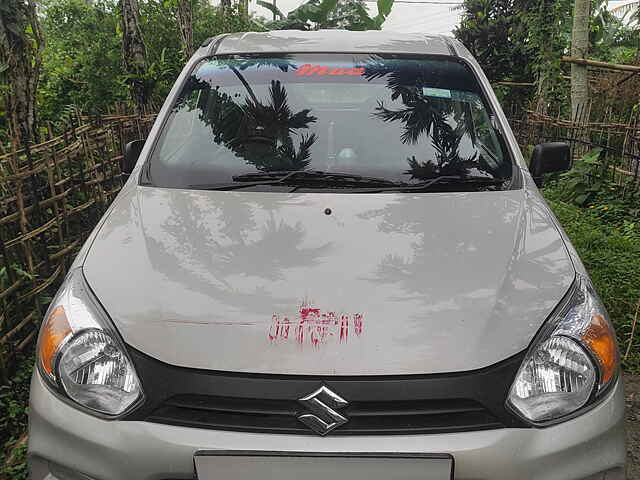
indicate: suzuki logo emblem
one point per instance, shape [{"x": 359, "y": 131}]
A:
[{"x": 323, "y": 417}]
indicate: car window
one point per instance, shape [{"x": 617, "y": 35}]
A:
[{"x": 397, "y": 119}]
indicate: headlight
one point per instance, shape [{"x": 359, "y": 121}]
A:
[
  {"x": 80, "y": 354},
  {"x": 572, "y": 361}
]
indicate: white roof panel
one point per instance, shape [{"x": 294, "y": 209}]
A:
[{"x": 333, "y": 41}]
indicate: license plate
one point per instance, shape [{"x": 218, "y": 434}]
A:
[{"x": 257, "y": 465}]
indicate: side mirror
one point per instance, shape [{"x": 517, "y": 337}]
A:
[
  {"x": 549, "y": 158},
  {"x": 131, "y": 155}
]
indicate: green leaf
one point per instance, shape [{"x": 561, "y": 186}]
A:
[
  {"x": 581, "y": 199},
  {"x": 593, "y": 156},
  {"x": 317, "y": 11},
  {"x": 23, "y": 273},
  {"x": 365, "y": 21},
  {"x": 384, "y": 8},
  {"x": 325, "y": 9},
  {"x": 580, "y": 188}
]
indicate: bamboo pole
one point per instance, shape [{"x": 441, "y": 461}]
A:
[{"x": 605, "y": 65}]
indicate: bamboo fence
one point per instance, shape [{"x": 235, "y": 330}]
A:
[
  {"x": 619, "y": 141},
  {"x": 51, "y": 196}
]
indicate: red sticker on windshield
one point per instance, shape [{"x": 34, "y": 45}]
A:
[{"x": 309, "y": 70}]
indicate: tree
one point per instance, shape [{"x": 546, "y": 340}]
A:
[
  {"x": 82, "y": 66},
  {"x": 623, "y": 12},
  {"x": 21, "y": 44},
  {"x": 134, "y": 54},
  {"x": 493, "y": 31},
  {"x": 548, "y": 30},
  {"x": 225, "y": 9},
  {"x": 347, "y": 12},
  {"x": 185, "y": 23},
  {"x": 519, "y": 41},
  {"x": 625, "y": 9},
  {"x": 580, "y": 49},
  {"x": 319, "y": 14}
]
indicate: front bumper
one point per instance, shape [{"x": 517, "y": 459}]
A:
[{"x": 67, "y": 444}]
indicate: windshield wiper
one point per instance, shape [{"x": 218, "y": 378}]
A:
[
  {"x": 361, "y": 184},
  {"x": 298, "y": 178},
  {"x": 448, "y": 179}
]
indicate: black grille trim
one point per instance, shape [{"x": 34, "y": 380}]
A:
[
  {"x": 365, "y": 418},
  {"x": 384, "y": 405}
]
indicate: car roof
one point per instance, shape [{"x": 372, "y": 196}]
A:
[{"x": 331, "y": 41}]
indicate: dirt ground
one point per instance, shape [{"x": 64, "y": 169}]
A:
[{"x": 632, "y": 384}]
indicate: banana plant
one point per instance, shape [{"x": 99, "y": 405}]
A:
[
  {"x": 367, "y": 22},
  {"x": 320, "y": 14},
  {"x": 628, "y": 8}
]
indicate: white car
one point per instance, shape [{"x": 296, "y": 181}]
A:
[{"x": 330, "y": 260}]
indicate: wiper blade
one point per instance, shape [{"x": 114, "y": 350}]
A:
[
  {"x": 276, "y": 178},
  {"x": 264, "y": 176},
  {"x": 315, "y": 175},
  {"x": 448, "y": 179},
  {"x": 297, "y": 178}
]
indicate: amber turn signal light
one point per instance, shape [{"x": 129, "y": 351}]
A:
[
  {"x": 55, "y": 330},
  {"x": 601, "y": 340}
]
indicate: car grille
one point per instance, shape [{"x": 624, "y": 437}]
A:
[
  {"x": 365, "y": 418},
  {"x": 385, "y": 405}
]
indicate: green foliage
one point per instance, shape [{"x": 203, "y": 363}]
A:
[
  {"x": 82, "y": 60},
  {"x": 4, "y": 89},
  {"x": 320, "y": 14},
  {"x": 589, "y": 184},
  {"x": 18, "y": 272},
  {"x": 371, "y": 23},
  {"x": 493, "y": 31},
  {"x": 625, "y": 55},
  {"x": 83, "y": 64},
  {"x": 609, "y": 246},
  {"x": 524, "y": 41},
  {"x": 548, "y": 24},
  {"x": 611, "y": 37},
  {"x": 348, "y": 13},
  {"x": 583, "y": 181},
  {"x": 518, "y": 41},
  {"x": 83, "y": 67},
  {"x": 14, "y": 398},
  {"x": 316, "y": 11}
]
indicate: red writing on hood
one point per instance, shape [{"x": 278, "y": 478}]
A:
[{"x": 314, "y": 327}]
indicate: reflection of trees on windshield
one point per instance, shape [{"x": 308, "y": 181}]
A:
[
  {"x": 237, "y": 66},
  {"x": 260, "y": 131},
  {"x": 277, "y": 124},
  {"x": 426, "y": 116},
  {"x": 446, "y": 142}
]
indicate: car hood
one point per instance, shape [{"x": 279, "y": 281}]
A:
[{"x": 329, "y": 284}]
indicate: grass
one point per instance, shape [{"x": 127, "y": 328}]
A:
[
  {"x": 14, "y": 399},
  {"x": 608, "y": 241}
]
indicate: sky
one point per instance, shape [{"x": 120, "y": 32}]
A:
[{"x": 412, "y": 16}]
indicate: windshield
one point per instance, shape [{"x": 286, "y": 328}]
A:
[{"x": 394, "y": 120}]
